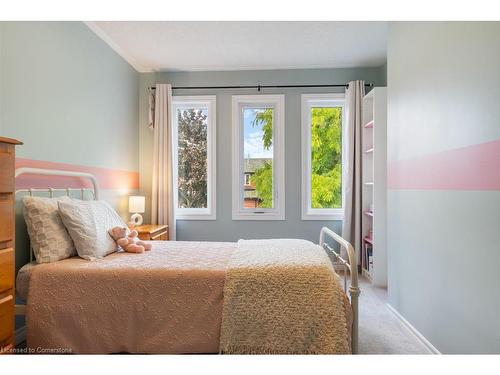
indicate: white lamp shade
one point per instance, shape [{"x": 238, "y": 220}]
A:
[{"x": 136, "y": 204}]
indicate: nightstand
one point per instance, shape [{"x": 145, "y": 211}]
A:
[{"x": 152, "y": 232}]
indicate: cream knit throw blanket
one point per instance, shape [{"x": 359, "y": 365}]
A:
[{"x": 283, "y": 297}]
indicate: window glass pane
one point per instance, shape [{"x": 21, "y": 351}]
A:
[
  {"x": 192, "y": 151},
  {"x": 258, "y": 157},
  {"x": 326, "y": 157}
]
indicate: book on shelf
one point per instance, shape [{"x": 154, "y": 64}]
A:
[
  {"x": 369, "y": 259},
  {"x": 368, "y": 256}
]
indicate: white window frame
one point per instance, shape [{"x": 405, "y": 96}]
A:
[
  {"x": 259, "y": 101},
  {"x": 209, "y": 101},
  {"x": 309, "y": 101}
]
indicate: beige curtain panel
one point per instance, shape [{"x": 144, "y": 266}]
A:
[
  {"x": 351, "y": 229},
  {"x": 151, "y": 110},
  {"x": 162, "y": 204}
]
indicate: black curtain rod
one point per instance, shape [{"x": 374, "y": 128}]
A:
[{"x": 258, "y": 87}]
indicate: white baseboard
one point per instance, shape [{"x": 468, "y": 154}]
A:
[
  {"x": 432, "y": 349},
  {"x": 20, "y": 335}
]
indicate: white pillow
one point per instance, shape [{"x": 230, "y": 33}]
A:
[
  {"x": 48, "y": 235},
  {"x": 88, "y": 223}
]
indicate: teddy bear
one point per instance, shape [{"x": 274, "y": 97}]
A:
[{"x": 128, "y": 241}]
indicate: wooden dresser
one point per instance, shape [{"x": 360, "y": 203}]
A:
[{"x": 7, "y": 260}]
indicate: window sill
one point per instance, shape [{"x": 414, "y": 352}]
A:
[
  {"x": 323, "y": 216},
  {"x": 181, "y": 217},
  {"x": 262, "y": 217}
]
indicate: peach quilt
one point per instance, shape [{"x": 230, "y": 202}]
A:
[{"x": 168, "y": 300}]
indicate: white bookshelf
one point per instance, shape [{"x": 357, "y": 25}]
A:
[{"x": 374, "y": 193}]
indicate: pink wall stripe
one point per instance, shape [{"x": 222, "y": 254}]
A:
[
  {"x": 474, "y": 167},
  {"x": 106, "y": 178}
]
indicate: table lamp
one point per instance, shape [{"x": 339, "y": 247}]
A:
[{"x": 136, "y": 206}]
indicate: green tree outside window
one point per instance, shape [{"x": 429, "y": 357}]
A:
[{"x": 326, "y": 158}]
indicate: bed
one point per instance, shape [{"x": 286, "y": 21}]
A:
[{"x": 194, "y": 297}]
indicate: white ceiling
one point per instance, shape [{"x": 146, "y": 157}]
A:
[{"x": 195, "y": 46}]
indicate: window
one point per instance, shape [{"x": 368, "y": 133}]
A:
[
  {"x": 193, "y": 122},
  {"x": 322, "y": 156},
  {"x": 258, "y": 157}
]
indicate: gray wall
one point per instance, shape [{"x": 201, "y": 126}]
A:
[
  {"x": 224, "y": 228},
  {"x": 68, "y": 96},
  {"x": 70, "y": 99},
  {"x": 443, "y": 91},
  {"x": 1, "y": 76}
]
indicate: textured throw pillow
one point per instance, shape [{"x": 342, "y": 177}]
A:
[
  {"x": 48, "y": 235},
  {"x": 88, "y": 223}
]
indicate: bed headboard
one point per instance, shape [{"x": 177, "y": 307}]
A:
[
  {"x": 53, "y": 172},
  {"x": 47, "y": 187}
]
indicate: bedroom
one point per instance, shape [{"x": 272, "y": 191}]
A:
[{"x": 388, "y": 138}]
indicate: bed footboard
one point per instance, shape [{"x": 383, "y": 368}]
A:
[{"x": 351, "y": 265}]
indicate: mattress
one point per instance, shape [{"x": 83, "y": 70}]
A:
[
  {"x": 167, "y": 300},
  {"x": 23, "y": 280}
]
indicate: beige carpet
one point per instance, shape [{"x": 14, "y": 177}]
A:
[{"x": 380, "y": 332}]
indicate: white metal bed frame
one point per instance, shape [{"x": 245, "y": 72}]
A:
[{"x": 350, "y": 264}]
